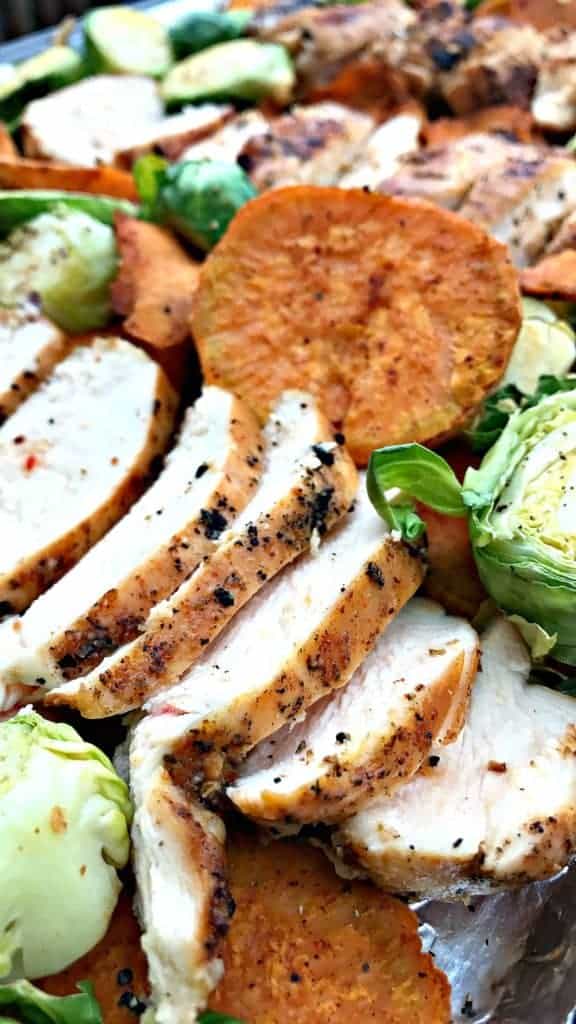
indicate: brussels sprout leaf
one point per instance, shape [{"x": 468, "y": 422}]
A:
[
  {"x": 28, "y": 1004},
  {"x": 210, "y": 1017},
  {"x": 149, "y": 174},
  {"x": 554, "y": 679},
  {"x": 508, "y": 400},
  {"x": 421, "y": 475}
]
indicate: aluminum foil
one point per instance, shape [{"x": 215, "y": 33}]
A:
[{"x": 510, "y": 958}]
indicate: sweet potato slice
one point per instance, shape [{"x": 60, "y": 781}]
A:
[
  {"x": 18, "y": 172},
  {"x": 399, "y": 316},
  {"x": 305, "y": 945},
  {"x": 554, "y": 277},
  {"x": 156, "y": 283}
]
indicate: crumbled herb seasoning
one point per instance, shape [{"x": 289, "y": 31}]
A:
[
  {"x": 213, "y": 522},
  {"x": 224, "y": 597},
  {"x": 325, "y": 457},
  {"x": 374, "y": 573}
]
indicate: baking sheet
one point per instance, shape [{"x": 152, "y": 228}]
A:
[{"x": 511, "y": 958}]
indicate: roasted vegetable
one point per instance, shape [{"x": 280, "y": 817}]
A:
[
  {"x": 54, "y": 68},
  {"x": 64, "y": 816},
  {"x": 19, "y": 173},
  {"x": 68, "y": 259},
  {"x": 200, "y": 29},
  {"x": 400, "y": 316},
  {"x": 553, "y": 277},
  {"x": 197, "y": 198},
  {"x": 545, "y": 347},
  {"x": 123, "y": 41},
  {"x": 20, "y": 206},
  {"x": 240, "y": 70},
  {"x": 521, "y": 509},
  {"x": 29, "y": 1005}
]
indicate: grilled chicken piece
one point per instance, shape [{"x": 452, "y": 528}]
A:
[
  {"x": 381, "y": 153},
  {"x": 445, "y": 174},
  {"x": 86, "y": 124},
  {"x": 171, "y": 136},
  {"x": 500, "y": 802},
  {"x": 372, "y": 735},
  {"x": 30, "y": 346},
  {"x": 565, "y": 237},
  {"x": 307, "y": 484},
  {"x": 554, "y": 102},
  {"x": 228, "y": 142},
  {"x": 523, "y": 200},
  {"x": 73, "y": 458},
  {"x": 323, "y": 41},
  {"x": 104, "y": 600},
  {"x": 493, "y": 61},
  {"x": 310, "y": 628},
  {"x": 310, "y": 146}
]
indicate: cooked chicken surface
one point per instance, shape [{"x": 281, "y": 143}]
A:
[
  {"x": 372, "y": 735},
  {"x": 73, "y": 457},
  {"x": 445, "y": 174},
  {"x": 88, "y": 123},
  {"x": 310, "y": 146},
  {"x": 172, "y": 135},
  {"x": 565, "y": 236},
  {"x": 500, "y": 802},
  {"x": 228, "y": 142},
  {"x": 380, "y": 155},
  {"x": 523, "y": 200},
  {"x": 29, "y": 347},
  {"x": 554, "y": 102},
  {"x": 308, "y": 482},
  {"x": 104, "y": 600}
]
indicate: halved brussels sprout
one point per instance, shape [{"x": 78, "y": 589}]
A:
[{"x": 545, "y": 346}]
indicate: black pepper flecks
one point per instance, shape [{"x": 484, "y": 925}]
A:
[
  {"x": 252, "y": 532},
  {"x": 213, "y": 522},
  {"x": 342, "y": 737},
  {"x": 374, "y": 573},
  {"x": 325, "y": 457},
  {"x": 202, "y": 468},
  {"x": 132, "y": 1003},
  {"x": 124, "y": 977},
  {"x": 433, "y": 760},
  {"x": 224, "y": 597},
  {"x": 321, "y": 508}
]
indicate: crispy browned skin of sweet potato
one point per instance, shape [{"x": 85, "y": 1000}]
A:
[
  {"x": 398, "y": 315},
  {"x": 156, "y": 283},
  {"x": 554, "y": 277},
  {"x": 542, "y": 14},
  {"x": 306, "y": 946},
  {"x": 514, "y": 122},
  {"x": 18, "y": 172}
]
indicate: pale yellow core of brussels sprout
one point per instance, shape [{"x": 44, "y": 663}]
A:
[{"x": 544, "y": 502}]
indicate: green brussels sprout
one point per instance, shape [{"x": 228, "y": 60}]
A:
[
  {"x": 200, "y": 29},
  {"x": 243, "y": 69},
  {"x": 30, "y": 1005},
  {"x": 68, "y": 259},
  {"x": 123, "y": 41},
  {"x": 545, "y": 346},
  {"x": 45, "y": 72},
  {"x": 197, "y": 198},
  {"x": 521, "y": 509},
  {"x": 64, "y": 816}
]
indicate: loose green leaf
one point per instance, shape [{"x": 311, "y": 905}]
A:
[
  {"x": 210, "y": 1017},
  {"x": 554, "y": 679},
  {"x": 420, "y": 474},
  {"x": 149, "y": 175},
  {"x": 29, "y": 1005},
  {"x": 504, "y": 403}
]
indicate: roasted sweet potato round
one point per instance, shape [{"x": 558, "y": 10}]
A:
[{"x": 398, "y": 315}]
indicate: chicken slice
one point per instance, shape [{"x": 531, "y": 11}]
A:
[
  {"x": 444, "y": 174},
  {"x": 500, "y": 802},
  {"x": 308, "y": 482},
  {"x": 554, "y": 102},
  {"x": 493, "y": 61},
  {"x": 309, "y": 146},
  {"x": 87, "y": 123},
  {"x": 302, "y": 636},
  {"x": 374, "y": 733},
  {"x": 73, "y": 457},
  {"x": 565, "y": 237},
  {"x": 228, "y": 142},
  {"x": 104, "y": 600},
  {"x": 381, "y": 153},
  {"x": 171, "y": 136},
  {"x": 523, "y": 200},
  {"x": 30, "y": 346}
]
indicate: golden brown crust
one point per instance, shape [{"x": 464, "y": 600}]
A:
[
  {"x": 398, "y": 316},
  {"x": 554, "y": 277},
  {"x": 23, "y": 173},
  {"x": 120, "y": 613}
]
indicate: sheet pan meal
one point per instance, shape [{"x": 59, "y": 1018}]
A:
[{"x": 288, "y": 503}]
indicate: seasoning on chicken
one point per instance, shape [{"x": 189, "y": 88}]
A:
[
  {"x": 307, "y": 483},
  {"x": 381, "y": 154},
  {"x": 30, "y": 346},
  {"x": 554, "y": 102},
  {"x": 228, "y": 142},
  {"x": 373, "y": 734},
  {"x": 500, "y": 801},
  {"x": 105, "y": 599},
  {"x": 309, "y": 146},
  {"x": 73, "y": 458},
  {"x": 523, "y": 200}
]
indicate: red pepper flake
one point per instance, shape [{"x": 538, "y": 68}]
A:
[{"x": 30, "y": 463}]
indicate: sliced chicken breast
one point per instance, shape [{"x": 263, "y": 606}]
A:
[
  {"x": 29, "y": 348},
  {"x": 499, "y": 803},
  {"x": 172, "y": 135},
  {"x": 565, "y": 236},
  {"x": 381, "y": 154},
  {"x": 523, "y": 200},
  {"x": 73, "y": 457},
  {"x": 308, "y": 482},
  {"x": 554, "y": 102},
  {"x": 444, "y": 174},
  {"x": 373, "y": 734},
  {"x": 104, "y": 600},
  {"x": 310, "y": 146},
  {"x": 228, "y": 142},
  {"x": 86, "y": 124}
]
